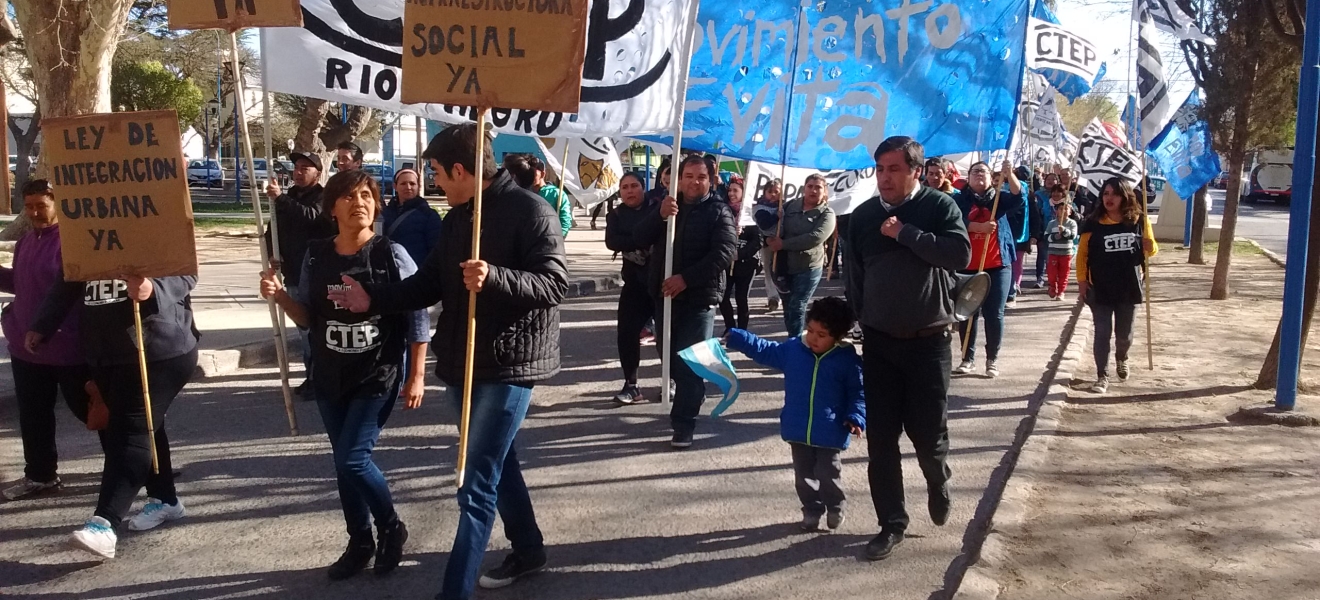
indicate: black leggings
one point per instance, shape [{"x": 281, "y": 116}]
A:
[
  {"x": 37, "y": 387},
  {"x": 606, "y": 206},
  {"x": 737, "y": 288},
  {"x": 1112, "y": 321},
  {"x": 636, "y": 308},
  {"x": 127, "y": 451}
]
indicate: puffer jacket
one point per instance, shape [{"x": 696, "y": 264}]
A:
[
  {"x": 517, "y": 336},
  {"x": 706, "y": 241},
  {"x": 299, "y": 217},
  {"x": 822, "y": 394}
]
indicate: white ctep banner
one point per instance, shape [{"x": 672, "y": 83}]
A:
[
  {"x": 847, "y": 189},
  {"x": 593, "y": 170},
  {"x": 1050, "y": 46},
  {"x": 350, "y": 51}
]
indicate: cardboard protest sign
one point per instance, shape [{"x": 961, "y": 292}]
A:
[
  {"x": 121, "y": 191},
  {"x": 495, "y": 53},
  {"x": 233, "y": 15}
]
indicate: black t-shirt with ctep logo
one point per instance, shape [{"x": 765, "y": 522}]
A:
[{"x": 354, "y": 354}]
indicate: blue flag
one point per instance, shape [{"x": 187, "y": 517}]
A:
[
  {"x": 1184, "y": 150},
  {"x": 821, "y": 84},
  {"x": 709, "y": 360},
  {"x": 1064, "y": 68}
]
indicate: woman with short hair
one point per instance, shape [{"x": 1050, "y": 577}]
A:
[{"x": 364, "y": 362}]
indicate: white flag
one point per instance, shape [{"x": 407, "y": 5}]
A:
[
  {"x": 1153, "y": 107},
  {"x": 1166, "y": 16},
  {"x": 1050, "y": 46},
  {"x": 847, "y": 189},
  {"x": 350, "y": 51},
  {"x": 593, "y": 169},
  {"x": 1102, "y": 155}
]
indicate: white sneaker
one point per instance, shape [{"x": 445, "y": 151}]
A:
[
  {"x": 155, "y": 514},
  {"x": 964, "y": 368},
  {"x": 991, "y": 369},
  {"x": 97, "y": 537},
  {"x": 26, "y": 487}
]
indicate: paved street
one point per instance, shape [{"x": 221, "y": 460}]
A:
[
  {"x": 625, "y": 517},
  {"x": 1265, "y": 222}
]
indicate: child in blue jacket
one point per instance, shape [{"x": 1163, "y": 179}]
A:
[{"x": 823, "y": 403}]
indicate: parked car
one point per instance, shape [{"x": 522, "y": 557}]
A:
[
  {"x": 1220, "y": 181},
  {"x": 206, "y": 173},
  {"x": 283, "y": 169},
  {"x": 1270, "y": 178},
  {"x": 1154, "y": 195},
  {"x": 384, "y": 176}
]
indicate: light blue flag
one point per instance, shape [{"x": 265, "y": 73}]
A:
[
  {"x": 709, "y": 360},
  {"x": 1067, "y": 81},
  {"x": 821, "y": 84},
  {"x": 1184, "y": 151}
]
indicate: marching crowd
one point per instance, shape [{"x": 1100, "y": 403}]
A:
[{"x": 359, "y": 275}]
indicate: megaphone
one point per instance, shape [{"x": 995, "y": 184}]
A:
[{"x": 969, "y": 292}]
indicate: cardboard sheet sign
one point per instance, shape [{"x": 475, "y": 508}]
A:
[
  {"x": 121, "y": 192},
  {"x": 233, "y": 15},
  {"x": 495, "y": 53}
]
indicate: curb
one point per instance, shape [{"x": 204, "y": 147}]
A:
[
  {"x": 1270, "y": 254},
  {"x": 979, "y": 581},
  {"x": 223, "y": 361}
]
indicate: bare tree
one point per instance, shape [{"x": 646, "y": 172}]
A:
[{"x": 69, "y": 44}]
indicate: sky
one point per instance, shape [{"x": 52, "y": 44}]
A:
[{"x": 1108, "y": 25}]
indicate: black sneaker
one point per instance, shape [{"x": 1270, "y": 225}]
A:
[
  {"x": 939, "y": 504},
  {"x": 514, "y": 566},
  {"x": 682, "y": 440},
  {"x": 630, "y": 394},
  {"x": 354, "y": 559},
  {"x": 883, "y": 545},
  {"x": 389, "y": 551}
]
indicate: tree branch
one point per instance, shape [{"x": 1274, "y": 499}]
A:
[{"x": 1272, "y": 14}]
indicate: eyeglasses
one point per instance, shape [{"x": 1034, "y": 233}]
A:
[{"x": 978, "y": 171}]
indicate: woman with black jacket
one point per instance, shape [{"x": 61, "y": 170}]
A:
[
  {"x": 363, "y": 362},
  {"x": 636, "y": 307},
  {"x": 109, "y": 342},
  {"x": 746, "y": 264}
]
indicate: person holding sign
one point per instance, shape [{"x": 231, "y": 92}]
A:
[
  {"x": 800, "y": 247},
  {"x": 704, "y": 249},
  {"x": 519, "y": 281},
  {"x": 987, "y": 212},
  {"x": 110, "y": 345},
  {"x": 364, "y": 361},
  {"x": 902, "y": 248},
  {"x": 298, "y": 216},
  {"x": 40, "y": 370}
]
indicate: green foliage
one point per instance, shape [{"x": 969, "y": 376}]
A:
[
  {"x": 1095, "y": 104},
  {"x": 149, "y": 85},
  {"x": 1250, "y": 72}
]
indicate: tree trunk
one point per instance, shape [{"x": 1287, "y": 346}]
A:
[
  {"x": 70, "y": 46},
  {"x": 23, "y": 142},
  {"x": 1269, "y": 370},
  {"x": 320, "y": 131},
  {"x": 1199, "y": 205},
  {"x": 1236, "y": 156}
]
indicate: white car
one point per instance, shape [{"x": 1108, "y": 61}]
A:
[
  {"x": 282, "y": 169},
  {"x": 206, "y": 173}
]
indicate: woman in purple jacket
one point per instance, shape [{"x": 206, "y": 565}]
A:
[{"x": 55, "y": 365}]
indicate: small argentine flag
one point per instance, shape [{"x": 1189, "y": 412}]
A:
[{"x": 708, "y": 360}]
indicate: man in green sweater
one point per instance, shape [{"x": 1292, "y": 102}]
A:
[{"x": 902, "y": 250}]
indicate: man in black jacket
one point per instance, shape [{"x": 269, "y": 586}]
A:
[
  {"x": 521, "y": 279},
  {"x": 903, "y": 247},
  {"x": 298, "y": 220},
  {"x": 705, "y": 243}
]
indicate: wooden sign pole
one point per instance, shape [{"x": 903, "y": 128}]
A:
[
  {"x": 280, "y": 348},
  {"x": 146, "y": 389},
  {"x": 471, "y": 348},
  {"x": 563, "y": 175}
]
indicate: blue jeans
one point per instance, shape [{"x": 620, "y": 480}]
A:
[
  {"x": 692, "y": 323},
  {"x": 1001, "y": 279},
  {"x": 354, "y": 427},
  {"x": 492, "y": 481},
  {"x": 800, "y": 289}
]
